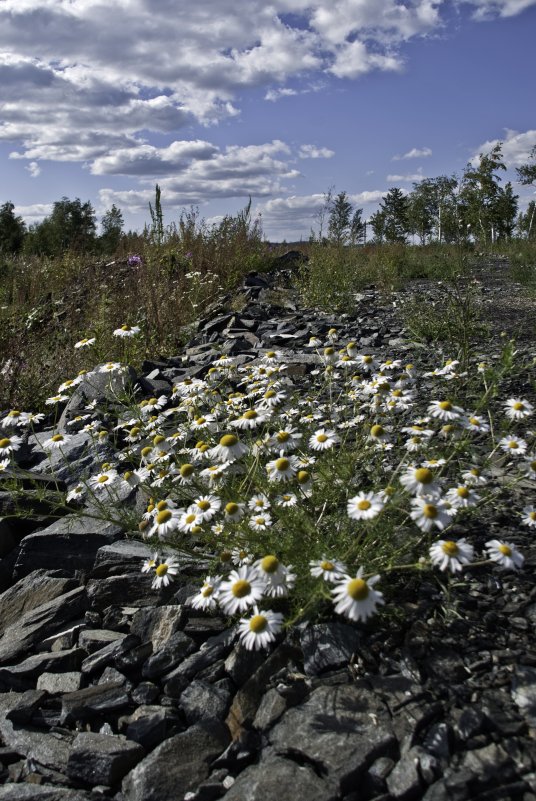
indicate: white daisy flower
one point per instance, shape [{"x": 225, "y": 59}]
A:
[
  {"x": 207, "y": 506},
  {"x": 77, "y": 493},
  {"x": 530, "y": 467},
  {"x": 164, "y": 573},
  {"x": 110, "y": 367},
  {"x": 259, "y": 630},
  {"x": 284, "y": 440},
  {"x": 12, "y": 419},
  {"x": 463, "y": 497},
  {"x": 9, "y": 445},
  {"x": 504, "y": 554},
  {"x": 529, "y": 516},
  {"x": 258, "y": 502},
  {"x": 150, "y": 564},
  {"x": 420, "y": 481},
  {"x": 474, "y": 477},
  {"x": 282, "y": 469},
  {"x": 165, "y": 521},
  {"x": 476, "y": 423},
  {"x": 513, "y": 445},
  {"x": 233, "y": 511},
  {"x": 328, "y": 569},
  {"x": 367, "y": 362},
  {"x": 229, "y": 449},
  {"x": 103, "y": 480},
  {"x": 242, "y": 589},
  {"x": 444, "y": 410},
  {"x": 450, "y": 555},
  {"x": 427, "y": 513},
  {"x": 4, "y": 464},
  {"x": 127, "y": 331},
  {"x": 277, "y": 577},
  {"x": 250, "y": 419},
  {"x": 273, "y": 398},
  {"x": 206, "y": 598},
  {"x": 323, "y": 439},
  {"x": 56, "y": 442},
  {"x": 314, "y": 342},
  {"x": 287, "y": 500},
  {"x": 355, "y": 598},
  {"x": 260, "y": 522},
  {"x": 364, "y": 506},
  {"x": 85, "y": 343},
  {"x": 518, "y": 409},
  {"x": 56, "y": 399},
  {"x": 190, "y": 521}
]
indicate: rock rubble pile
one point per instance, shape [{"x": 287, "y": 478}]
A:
[{"x": 111, "y": 689}]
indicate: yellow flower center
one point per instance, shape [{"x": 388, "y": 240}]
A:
[
  {"x": 271, "y": 354},
  {"x": 270, "y": 564},
  {"x": 367, "y": 359},
  {"x": 377, "y": 431},
  {"x": 125, "y": 328},
  {"x": 161, "y": 505},
  {"x": 325, "y": 565},
  {"x": 271, "y": 393},
  {"x": 282, "y": 436},
  {"x": 146, "y": 451},
  {"x": 532, "y": 515},
  {"x": 241, "y": 588},
  {"x": 357, "y": 589},
  {"x": 505, "y": 550},
  {"x": 163, "y": 516},
  {"x": 446, "y": 406},
  {"x": 462, "y": 492},
  {"x": 282, "y": 464},
  {"x": 190, "y": 518},
  {"x": 321, "y": 437},
  {"x": 364, "y": 505},
  {"x": 103, "y": 479},
  {"x": 231, "y": 508},
  {"x": 161, "y": 570},
  {"x": 430, "y": 511},
  {"x": 251, "y": 414},
  {"x": 450, "y": 548},
  {"x": 225, "y": 556},
  {"x": 474, "y": 421},
  {"x": 57, "y": 438},
  {"x": 303, "y": 477},
  {"x": 423, "y": 475},
  {"x": 329, "y": 351},
  {"x": 207, "y": 591},
  {"x": 203, "y": 505},
  {"x": 186, "y": 470},
  {"x": 258, "y": 623},
  {"x": 158, "y": 439},
  {"x": 513, "y": 444},
  {"x": 518, "y": 406},
  {"x": 228, "y": 440},
  {"x": 134, "y": 431}
]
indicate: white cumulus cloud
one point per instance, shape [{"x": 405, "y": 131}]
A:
[{"x": 414, "y": 153}]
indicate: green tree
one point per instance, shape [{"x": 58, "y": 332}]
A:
[
  {"x": 527, "y": 176},
  {"x": 485, "y": 206},
  {"x": 12, "y": 229},
  {"x": 432, "y": 209},
  {"x": 71, "y": 226},
  {"x": 377, "y": 222},
  {"x": 112, "y": 228},
  {"x": 525, "y": 222},
  {"x": 157, "y": 218},
  {"x": 340, "y": 216},
  {"x": 357, "y": 228},
  {"x": 395, "y": 208}
]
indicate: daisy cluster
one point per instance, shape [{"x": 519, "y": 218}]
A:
[{"x": 305, "y": 492}]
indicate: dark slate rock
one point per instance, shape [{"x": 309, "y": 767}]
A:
[
  {"x": 94, "y": 639},
  {"x": 276, "y": 778},
  {"x": 99, "y": 699},
  {"x": 145, "y": 693},
  {"x": 102, "y": 759},
  {"x": 101, "y": 387},
  {"x": 212, "y": 650},
  {"x": 37, "y": 588},
  {"x": 23, "y": 676},
  {"x": 151, "y": 725},
  {"x": 404, "y": 781},
  {"x": 178, "y": 765},
  {"x": 131, "y": 589},
  {"x": 55, "y": 683},
  {"x": 41, "y": 622},
  {"x": 328, "y": 646},
  {"x": 247, "y": 699},
  {"x": 201, "y": 700},
  {"x": 119, "y": 557},
  {"x": 332, "y": 730},
  {"x": 51, "y": 750},
  {"x": 70, "y": 462},
  {"x": 524, "y": 692},
  {"x": 22, "y": 711},
  {"x": 106, "y": 656},
  {"x": 241, "y": 664},
  {"x": 158, "y": 624},
  {"x": 71, "y": 542},
  {"x": 134, "y": 658},
  {"x": 270, "y": 710},
  {"x": 36, "y": 792},
  {"x": 471, "y": 722},
  {"x": 177, "y": 648}
]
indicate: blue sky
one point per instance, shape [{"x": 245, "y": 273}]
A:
[{"x": 223, "y": 99}]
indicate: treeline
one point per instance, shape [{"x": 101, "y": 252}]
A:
[
  {"x": 444, "y": 209},
  {"x": 475, "y": 208},
  {"x": 72, "y": 226}
]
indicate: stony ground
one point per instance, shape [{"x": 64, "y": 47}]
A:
[{"x": 108, "y": 689}]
